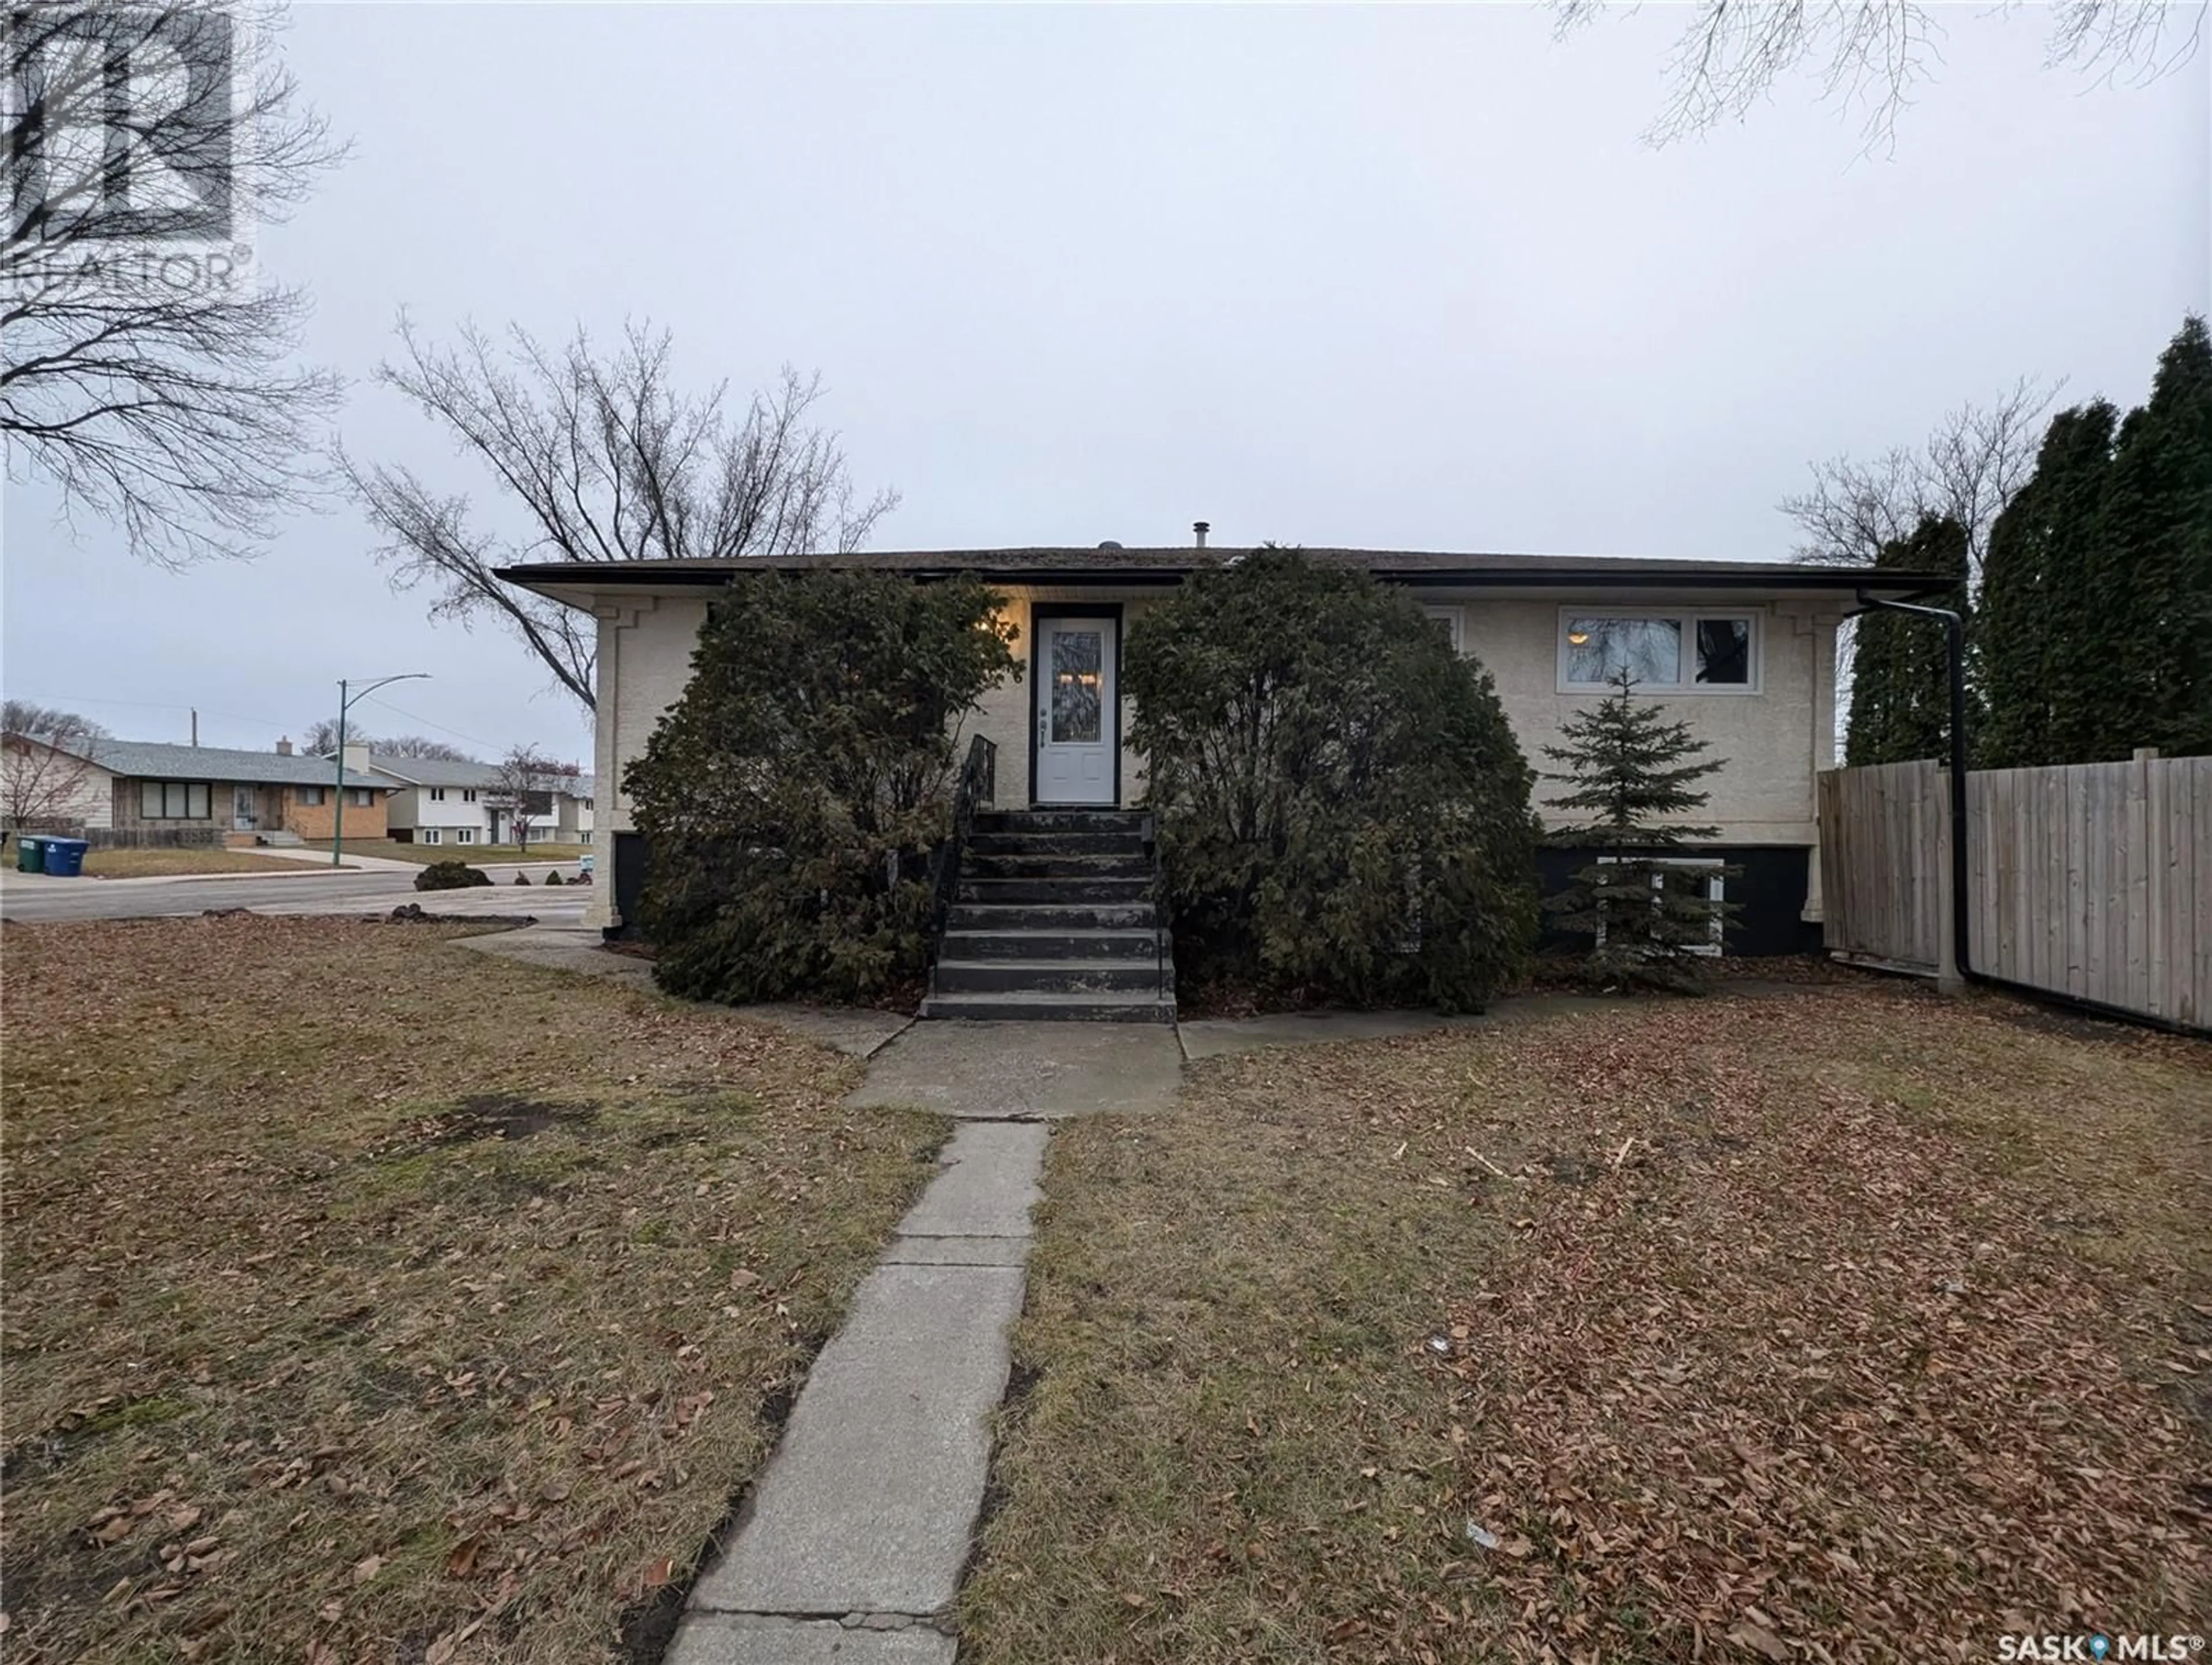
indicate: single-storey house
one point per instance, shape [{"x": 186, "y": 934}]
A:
[
  {"x": 1744, "y": 651},
  {"x": 453, "y": 801},
  {"x": 226, "y": 795}
]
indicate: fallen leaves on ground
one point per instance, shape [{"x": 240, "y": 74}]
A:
[
  {"x": 371, "y": 1298},
  {"x": 1842, "y": 1324},
  {"x": 1803, "y": 1371}
]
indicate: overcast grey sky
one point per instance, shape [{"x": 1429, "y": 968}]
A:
[{"x": 1406, "y": 278}]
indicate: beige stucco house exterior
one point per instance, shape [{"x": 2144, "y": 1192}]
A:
[{"x": 1744, "y": 651}]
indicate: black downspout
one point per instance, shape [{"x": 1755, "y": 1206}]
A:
[{"x": 1954, "y": 631}]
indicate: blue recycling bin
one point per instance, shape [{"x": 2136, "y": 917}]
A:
[{"x": 66, "y": 857}]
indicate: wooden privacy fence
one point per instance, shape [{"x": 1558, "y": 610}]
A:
[{"x": 2092, "y": 881}]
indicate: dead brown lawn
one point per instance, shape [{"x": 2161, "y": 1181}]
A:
[
  {"x": 369, "y": 1299},
  {"x": 153, "y": 864},
  {"x": 1849, "y": 1324}
]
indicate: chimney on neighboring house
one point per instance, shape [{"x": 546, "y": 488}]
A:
[
  {"x": 1201, "y": 527},
  {"x": 284, "y": 746},
  {"x": 357, "y": 758}
]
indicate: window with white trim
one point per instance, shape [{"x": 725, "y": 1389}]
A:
[
  {"x": 469, "y": 795},
  {"x": 1696, "y": 875},
  {"x": 174, "y": 800},
  {"x": 1453, "y": 620},
  {"x": 430, "y": 835},
  {"x": 437, "y": 794},
  {"x": 465, "y": 835},
  {"x": 1667, "y": 650}
]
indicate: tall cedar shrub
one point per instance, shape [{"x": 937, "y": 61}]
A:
[
  {"x": 1901, "y": 672},
  {"x": 1631, "y": 774},
  {"x": 2040, "y": 645},
  {"x": 1343, "y": 812},
  {"x": 790, "y": 797},
  {"x": 2096, "y": 613},
  {"x": 2153, "y": 603}
]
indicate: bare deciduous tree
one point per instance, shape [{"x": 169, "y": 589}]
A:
[
  {"x": 151, "y": 382},
  {"x": 522, "y": 785},
  {"x": 1875, "y": 53},
  {"x": 1973, "y": 464},
  {"x": 45, "y": 769},
  {"x": 601, "y": 459},
  {"x": 322, "y": 738},
  {"x": 420, "y": 745}
]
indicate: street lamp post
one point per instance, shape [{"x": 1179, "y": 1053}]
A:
[{"x": 345, "y": 704}]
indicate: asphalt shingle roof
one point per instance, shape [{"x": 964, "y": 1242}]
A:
[
  {"x": 464, "y": 772},
  {"x": 438, "y": 771},
  {"x": 151, "y": 760}
]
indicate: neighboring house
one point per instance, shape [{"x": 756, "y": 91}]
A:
[
  {"x": 440, "y": 802},
  {"x": 1745, "y": 652},
  {"x": 235, "y": 796},
  {"x": 45, "y": 785},
  {"x": 460, "y": 803},
  {"x": 572, "y": 810}
]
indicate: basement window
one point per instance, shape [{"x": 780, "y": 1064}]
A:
[
  {"x": 1667, "y": 652},
  {"x": 430, "y": 835},
  {"x": 1687, "y": 875}
]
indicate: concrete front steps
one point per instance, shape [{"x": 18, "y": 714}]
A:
[{"x": 1053, "y": 919}]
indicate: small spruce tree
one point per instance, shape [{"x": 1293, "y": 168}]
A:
[{"x": 1628, "y": 771}]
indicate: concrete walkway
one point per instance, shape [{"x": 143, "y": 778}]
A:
[
  {"x": 852, "y": 1542},
  {"x": 849, "y": 1547},
  {"x": 969, "y": 1070}
]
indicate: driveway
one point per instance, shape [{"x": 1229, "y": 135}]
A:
[{"x": 25, "y": 897}]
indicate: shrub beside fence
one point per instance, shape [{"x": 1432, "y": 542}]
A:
[{"x": 2092, "y": 881}]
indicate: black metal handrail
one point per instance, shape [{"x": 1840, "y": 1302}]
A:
[
  {"x": 1148, "y": 830},
  {"x": 978, "y": 785}
]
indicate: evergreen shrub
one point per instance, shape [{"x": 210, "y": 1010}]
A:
[{"x": 1342, "y": 809}]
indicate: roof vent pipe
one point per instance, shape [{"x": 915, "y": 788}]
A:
[{"x": 1201, "y": 527}]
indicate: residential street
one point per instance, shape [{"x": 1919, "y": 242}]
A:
[{"x": 27, "y": 897}]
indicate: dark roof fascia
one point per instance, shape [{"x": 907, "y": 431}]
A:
[
  {"x": 608, "y": 574},
  {"x": 1783, "y": 578}
]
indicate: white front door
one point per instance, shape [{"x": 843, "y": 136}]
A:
[
  {"x": 242, "y": 816},
  {"x": 1078, "y": 724}
]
